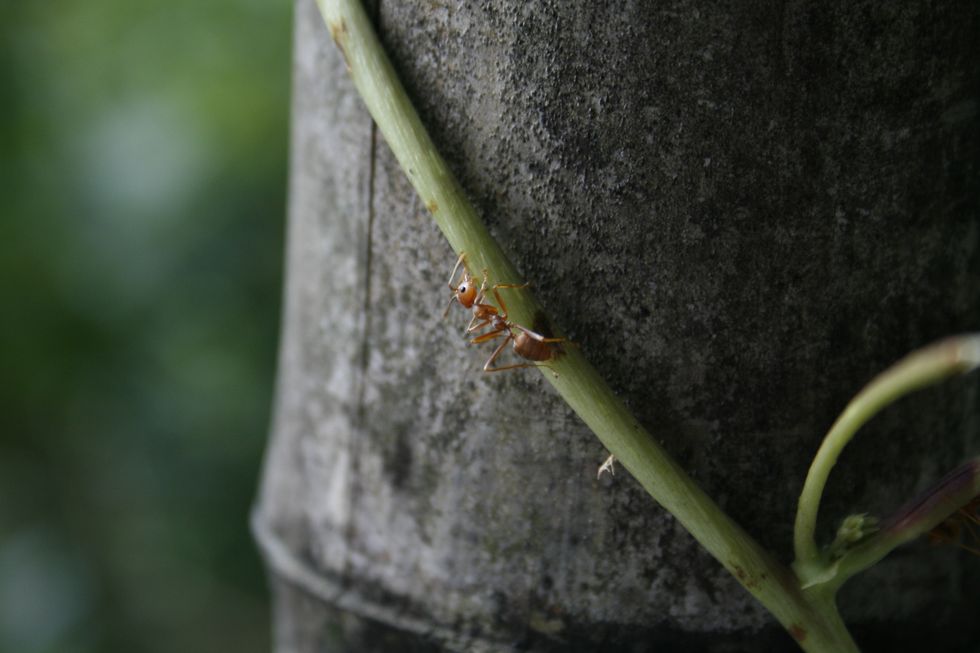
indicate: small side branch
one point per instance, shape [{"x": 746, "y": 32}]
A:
[{"x": 950, "y": 357}]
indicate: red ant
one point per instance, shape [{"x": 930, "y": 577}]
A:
[
  {"x": 527, "y": 344},
  {"x": 964, "y": 519}
]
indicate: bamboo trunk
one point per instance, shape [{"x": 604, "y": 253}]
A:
[{"x": 740, "y": 213}]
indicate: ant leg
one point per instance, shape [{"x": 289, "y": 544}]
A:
[
  {"x": 512, "y": 285},
  {"x": 519, "y": 365},
  {"x": 479, "y": 301},
  {"x": 460, "y": 261},
  {"x": 484, "y": 321},
  {"x": 488, "y": 366},
  {"x": 481, "y": 296},
  {"x": 969, "y": 521},
  {"x": 500, "y": 301},
  {"x": 476, "y": 327},
  {"x": 487, "y": 337},
  {"x": 966, "y": 547},
  {"x": 510, "y": 367},
  {"x": 535, "y": 335},
  {"x": 970, "y": 515},
  {"x": 449, "y": 305},
  {"x": 969, "y": 549},
  {"x": 503, "y": 313}
]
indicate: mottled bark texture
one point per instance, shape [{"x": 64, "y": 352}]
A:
[{"x": 741, "y": 211}]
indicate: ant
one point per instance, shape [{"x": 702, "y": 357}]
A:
[
  {"x": 527, "y": 344},
  {"x": 964, "y": 519}
]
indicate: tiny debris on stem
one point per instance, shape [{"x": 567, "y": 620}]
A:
[{"x": 608, "y": 466}]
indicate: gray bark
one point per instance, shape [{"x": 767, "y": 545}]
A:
[{"x": 741, "y": 211}]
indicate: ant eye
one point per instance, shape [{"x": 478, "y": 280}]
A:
[{"x": 462, "y": 289}]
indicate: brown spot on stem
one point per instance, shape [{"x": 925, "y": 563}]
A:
[
  {"x": 339, "y": 33},
  {"x": 798, "y": 632},
  {"x": 744, "y": 577},
  {"x": 433, "y": 206}
]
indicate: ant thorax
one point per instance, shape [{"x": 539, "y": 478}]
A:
[{"x": 498, "y": 322}]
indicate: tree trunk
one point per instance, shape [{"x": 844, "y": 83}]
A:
[{"x": 740, "y": 211}]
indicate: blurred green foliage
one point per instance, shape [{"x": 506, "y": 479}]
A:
[{"x": 143, "y": 163}]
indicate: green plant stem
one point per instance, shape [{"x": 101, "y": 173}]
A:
[
  {"x": 919, "y": 369},
  {"x": 958, "y": 488},
  {"x": 815, "y": 625}
]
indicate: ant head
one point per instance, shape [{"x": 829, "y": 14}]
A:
[{"x": 466, "y": 293}]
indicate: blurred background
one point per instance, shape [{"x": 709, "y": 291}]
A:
[{"x": 143, "y": 178}]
